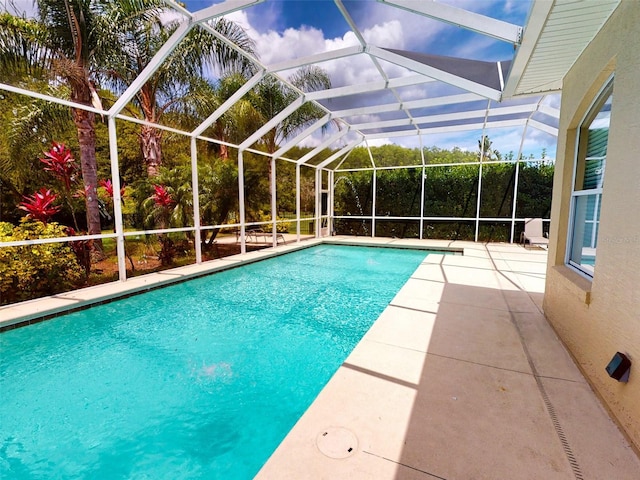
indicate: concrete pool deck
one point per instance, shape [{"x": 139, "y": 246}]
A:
[{"x": 461, "y": 377}]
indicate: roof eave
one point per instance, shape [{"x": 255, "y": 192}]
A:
[{"x": 533, "y": 31}]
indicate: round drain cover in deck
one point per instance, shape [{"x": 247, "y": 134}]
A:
[{"x": 337, "y": 442}]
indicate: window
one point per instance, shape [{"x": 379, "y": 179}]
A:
[{"x": 586, "y": 197}]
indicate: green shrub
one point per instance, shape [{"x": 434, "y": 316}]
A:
[{"x": 32, "y": 271}]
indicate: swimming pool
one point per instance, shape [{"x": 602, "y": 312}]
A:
[{"x": 202, "y": 379}]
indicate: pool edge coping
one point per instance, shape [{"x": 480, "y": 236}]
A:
[{"x": 45, "y": 308}]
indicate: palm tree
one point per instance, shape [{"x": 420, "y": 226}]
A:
[
  {"x": 66, "y": 44},
  {"x": 177, "y": 83},
  {"x": 252, "y": 111},
  {"x": 60, "y": 44},
  {"x": 485, "y": 150},
  {"x": 260, "y": 105},
  {"x": 239, "y": 121},
  {"x": 273, "y": 96}
]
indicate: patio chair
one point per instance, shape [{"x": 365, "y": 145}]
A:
[{"x": 533, "y": 233}]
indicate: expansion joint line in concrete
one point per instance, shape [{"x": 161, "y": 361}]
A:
[
  {"x": 575, "y": 466},
  {"x": 405, "y": 465}
]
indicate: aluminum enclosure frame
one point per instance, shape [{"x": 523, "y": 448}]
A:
[{"x": 529, "y": 112}]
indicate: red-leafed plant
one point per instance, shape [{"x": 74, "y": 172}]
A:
[
  {"x": 162, "y": 201},
  {"x": 82, "y": 192},
  {"x": 60, "y": 162},
  {"x": 108, "y": 188},
  {"x": 107, "y": 185},
  {"x": 82, "y": 250},
  {"x": 40, "y": 205},
  {"x": 161, "y": 197}
]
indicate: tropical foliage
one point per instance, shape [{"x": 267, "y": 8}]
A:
[
  {"x": 450, "y": 190},
  {"x": 39, "y": 206},
  {"x": 32, "y": 271},
  {"x": 178, "y": 83},
  {"x": 61, "y": 46}
]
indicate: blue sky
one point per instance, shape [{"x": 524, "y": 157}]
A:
[{"x": 419, "y": 33}]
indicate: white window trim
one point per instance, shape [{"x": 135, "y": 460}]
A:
[{"x": 585, "y": 271}]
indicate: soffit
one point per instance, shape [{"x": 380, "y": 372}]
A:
[{"x": 555, "y": 35}]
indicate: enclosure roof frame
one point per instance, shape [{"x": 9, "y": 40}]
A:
[{"x": 518, "y": 84}]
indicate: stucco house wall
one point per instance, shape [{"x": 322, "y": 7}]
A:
[{"x": 599, "y": 317}]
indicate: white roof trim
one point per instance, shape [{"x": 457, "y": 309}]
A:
[{"x": 535, "y": 23}]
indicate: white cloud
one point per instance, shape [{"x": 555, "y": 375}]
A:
[
  {"x": 273, "y": 47},
  {"x": 476, "y": 49},
  {"x": 417, "y": 31},
  {"x": 466, "y": 141},
  {"x": 390, "y": 34},
  {"x": 311, "y": 141},
  {"x": 378, "y": 142},
  {"x": 552, "y": 101},
  {"x": 536, "y": 140},
  {"x": 411, "y": 142}
]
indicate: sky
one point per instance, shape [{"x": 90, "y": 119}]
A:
[{"x": 287, "y": 29}]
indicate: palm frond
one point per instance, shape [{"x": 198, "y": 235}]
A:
[
  {"x": 39, "y": 120},
  {"x": 311, "y": 78},
  {"x": 200, "y": 51},
  {"x": 55, "y": 16},
  {"x": 23, "y": 48},
  {"x": 28, "y": 128}
]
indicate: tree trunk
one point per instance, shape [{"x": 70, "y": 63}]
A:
[
  {"x": 271, "y": 148},
  {"x": 224, "y": 152},
  {"x": 85, "y": 123},
  {"x": 150, "y": 139},
  {"x": 222, "y": 218}
]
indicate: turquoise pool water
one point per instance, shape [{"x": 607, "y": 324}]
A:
[{"x": 202, "y": 379}]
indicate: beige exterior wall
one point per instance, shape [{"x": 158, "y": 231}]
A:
[{"x": 597, "y": 318}]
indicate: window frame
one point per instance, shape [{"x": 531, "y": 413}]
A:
[{"x": 584, "y": 127}]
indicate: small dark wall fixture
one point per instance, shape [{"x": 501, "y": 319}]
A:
[{"x": 619, "y": 367}]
